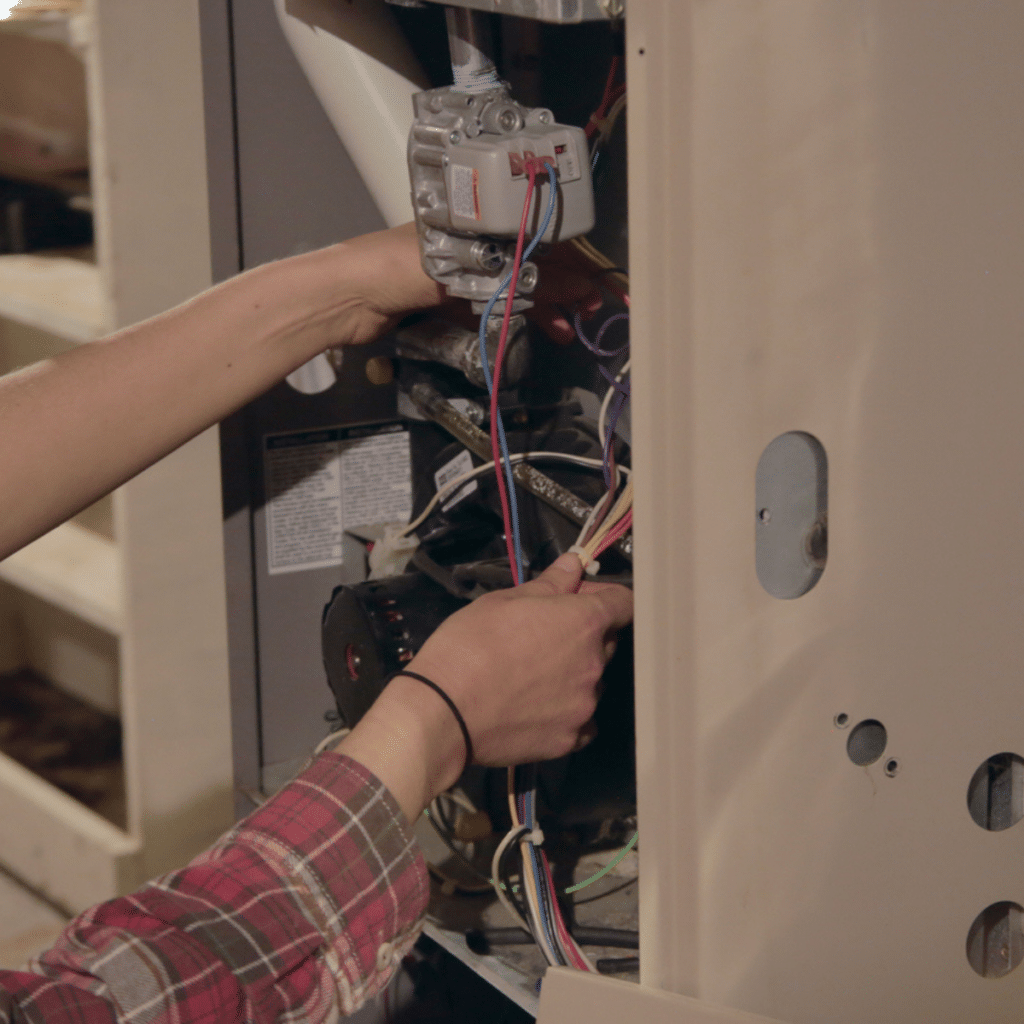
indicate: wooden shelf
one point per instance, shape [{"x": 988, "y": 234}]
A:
[
  {"x": 58, "y": 294},
  {"x": 75, "y": 569},
  {"x": 60, "y": 846},
  {"x": 53, "y": 27}
]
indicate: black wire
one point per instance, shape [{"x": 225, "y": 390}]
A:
[
  {"x": 545, "y": 895},
  {"x": 618, "y": 964}
]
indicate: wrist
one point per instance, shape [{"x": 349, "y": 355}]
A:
[{"x": 411, "y": 741}]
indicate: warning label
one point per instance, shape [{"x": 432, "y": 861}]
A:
[
  {"x": 464, "y": 197},
  {"x": 320, "y": 483},
  {"x": 451, "y": 471}
]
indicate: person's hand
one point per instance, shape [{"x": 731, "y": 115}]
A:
[
  {"x": 568, "y": 282},
  {"x": 384, "y": 272},
  {"x": 523, "y": 667}
]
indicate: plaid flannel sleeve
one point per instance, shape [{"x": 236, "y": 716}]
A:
[{"x": 300, "y": 913}]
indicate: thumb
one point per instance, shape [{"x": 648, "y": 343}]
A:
[{"x": 561, "y": 577}]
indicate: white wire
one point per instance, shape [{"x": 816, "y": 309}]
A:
[
  {"x": 332, "y": 737},
  {"x": 487, "y": 467},
  {"x": 607, "y": 401},
  {"x": 510, "y": 838},
  {"x": 610, "y": 119}
]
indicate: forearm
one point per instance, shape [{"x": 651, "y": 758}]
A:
[
  {"x": 75, "y": 427},
  {"x": 302, "y": 911}
]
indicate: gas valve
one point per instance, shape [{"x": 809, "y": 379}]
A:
[{"x": 468, "y": 150}]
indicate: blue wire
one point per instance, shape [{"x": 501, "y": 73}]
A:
[{"x": 517, "y": 544}]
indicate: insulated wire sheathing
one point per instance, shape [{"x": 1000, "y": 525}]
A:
[
  {"x": 547, "y": 924},
  {"x": 509, "y": 504},
  {"x": 458, "y": 482}
]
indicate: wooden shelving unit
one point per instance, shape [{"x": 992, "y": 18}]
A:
[
  {"x": 57, "y": 294},
  {"x": 75, "y": 569},
  {"x": 155, "y": 590}
]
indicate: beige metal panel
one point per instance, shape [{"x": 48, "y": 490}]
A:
[
  {"x": 830, "y": 243},
  {"x": 569, "y": 996},
  {"x": 660, "y": 188},
  {"x": 153, "y": 239}
]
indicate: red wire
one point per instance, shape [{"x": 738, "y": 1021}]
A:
[
  {"x": 531, "y": 169},
  {"x": 611, "y": 94},
  {"x": 620, "y": 529},
  {"x": 566, "y": 939}
]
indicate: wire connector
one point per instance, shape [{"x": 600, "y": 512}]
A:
[
  {"x": 590, "y": 567},
  {"x": 534, "y": 838},
  {"x": 391, "y": 554}
]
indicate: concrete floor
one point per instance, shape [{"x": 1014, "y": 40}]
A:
[{"x": 27, "y": 925}]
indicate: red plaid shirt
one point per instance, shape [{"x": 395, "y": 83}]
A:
[{"x": 300, "y": 913}]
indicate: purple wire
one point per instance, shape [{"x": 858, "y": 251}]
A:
[
  {"x": 622, "y": 386},
  {"x": 595, "y": 345},
  {"x": 609, "y": 433}
]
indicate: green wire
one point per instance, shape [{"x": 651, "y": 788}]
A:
[{"x": 608, "y": 867}]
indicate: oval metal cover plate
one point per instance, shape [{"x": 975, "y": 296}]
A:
[{"x": 791, "y": 514}]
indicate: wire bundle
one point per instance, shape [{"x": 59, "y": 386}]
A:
[
  {"x": 543, "y": 916},
  {"x": 499, "y": 444}
]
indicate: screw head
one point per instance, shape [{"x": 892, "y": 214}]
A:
[
  {"x": 508, "y": 120},
  {"x": 455, "y": 138},
  {"x": 544, "y": 117},
  {"x": 528, "y": 278}
]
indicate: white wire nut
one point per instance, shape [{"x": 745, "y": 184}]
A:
[
  {"x": 391, "y": 554},
  {"x": 535, "y": 838}
]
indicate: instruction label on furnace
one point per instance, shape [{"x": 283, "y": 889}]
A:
[{"x": 320, "y": 483}]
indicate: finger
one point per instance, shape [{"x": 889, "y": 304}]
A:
[
  {"x": 561, "y": 577},
  {"x": 553, "y": 322},
  {"x": 613, "y": 604},
  {"x": 586, "y": 736}
]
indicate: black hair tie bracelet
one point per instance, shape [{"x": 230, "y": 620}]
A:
[{"x": 451, "y": 704}]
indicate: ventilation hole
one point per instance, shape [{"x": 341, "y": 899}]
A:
[
  {"x": 995, "y": 796},
  {"x": 995, "y": 943},
  {"x": 867, "y": 742}
]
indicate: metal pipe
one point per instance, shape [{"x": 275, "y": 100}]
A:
[
  {"x": 470, "y": 46},
  {"x": 436, "y": 407}
]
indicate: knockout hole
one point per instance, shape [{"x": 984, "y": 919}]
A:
[
  {"x": 995, "y": 796},
  {"x": 867, "y": 742},
  {"x": 995, "y": 942}
]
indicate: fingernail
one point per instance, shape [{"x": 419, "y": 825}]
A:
[{"x": 568, "y": 562}]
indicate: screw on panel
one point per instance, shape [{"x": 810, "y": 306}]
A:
[
  {"x": 455, "y": 138},
  {"x": 544, "y": 117},
  {"x": 613, "y": 8}
]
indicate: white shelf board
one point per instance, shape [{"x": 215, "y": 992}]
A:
[
  {"x": 75, "y": 569},
  {"x": 54, "y": 27},
  {"x": 58, "y": 294},
  {"x": 58, "y": 845}
]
